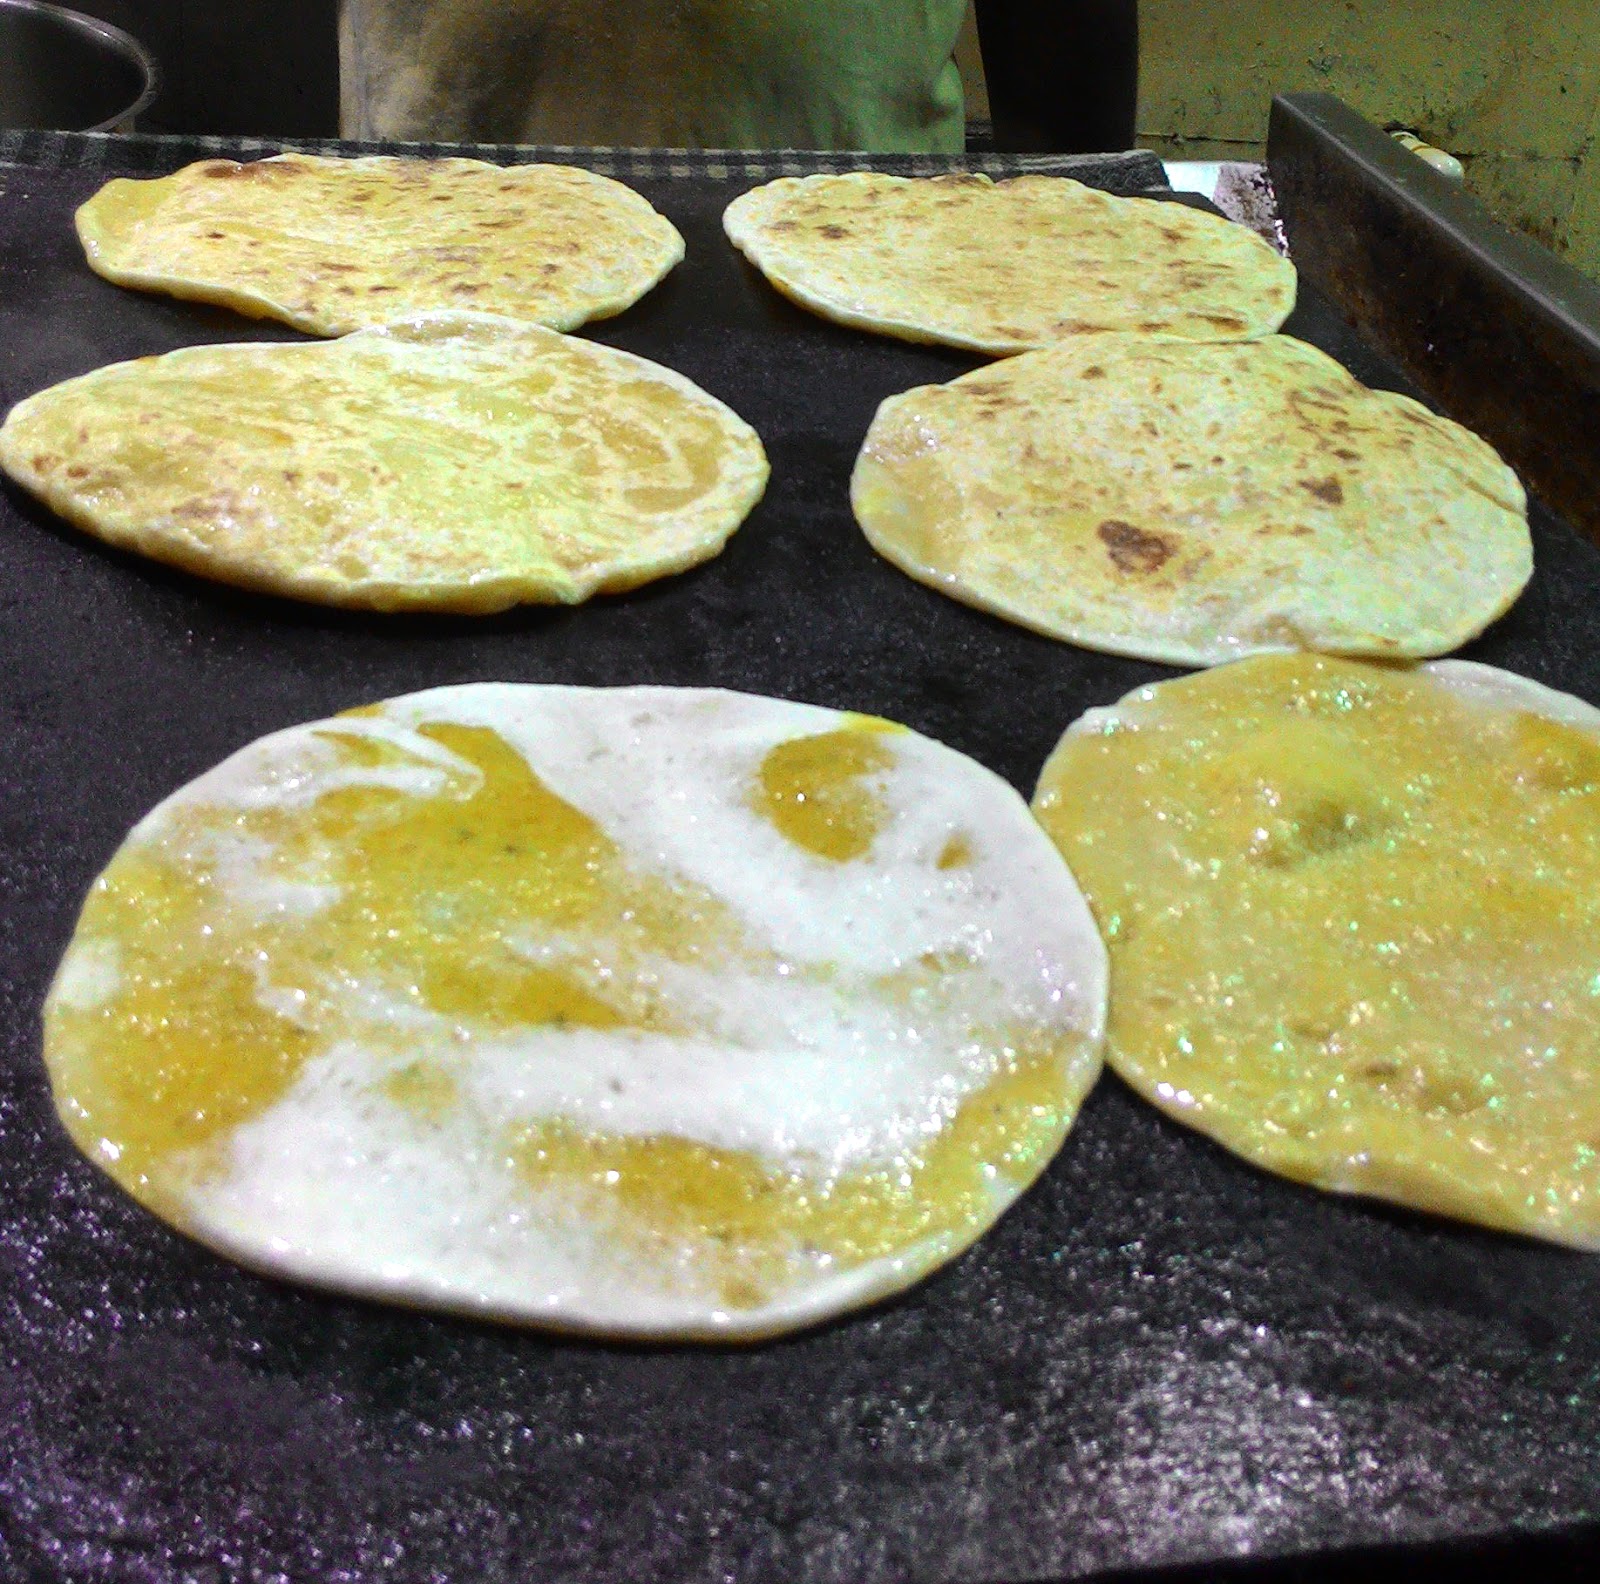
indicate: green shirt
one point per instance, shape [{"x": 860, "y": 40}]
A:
[{"x": 866, "y": 74}]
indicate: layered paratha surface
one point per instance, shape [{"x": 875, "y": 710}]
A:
[
  {"x": 641, "y": 1011},
  {"x": 1353, "y": 913},
  {"x": 1007, "y": 266},
  {"x": 332, "y": 245},
  {"x": 1195, "y": 503},
  {"x": 451, "y": 462}
]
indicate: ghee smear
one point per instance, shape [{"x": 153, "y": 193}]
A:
[
  {"x": 1353, "y": 913},
  {"x": 642, "y": 1011}
]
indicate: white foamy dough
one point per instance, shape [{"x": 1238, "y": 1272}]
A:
[{"x": 816, "y": 1071}]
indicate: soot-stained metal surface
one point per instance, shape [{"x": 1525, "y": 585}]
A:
[{"x": 1159, "y": 1355}]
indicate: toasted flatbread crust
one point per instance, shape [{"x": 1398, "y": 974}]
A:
[
  {"x": 1192, "y": 504},
  {"x": 452, "y": 462},
  {"x": 1007, "y": 266},
  {"x": 333, "y": 245}
]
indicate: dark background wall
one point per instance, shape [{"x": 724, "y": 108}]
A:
[{"x": 253, "y": 67}]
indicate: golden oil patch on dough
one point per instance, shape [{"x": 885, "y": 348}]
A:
[
  {"x": 1194, "y": 504},
  {"x": 547, "y": 1004},
  {"x": 333, "y": 245},
  {"x": 453, "y": 462},
  {"x": 1007, "y": 266},
  {"x": 1353, "y": 913}
]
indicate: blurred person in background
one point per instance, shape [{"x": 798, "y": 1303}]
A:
[{"x": 839, "y": 74}]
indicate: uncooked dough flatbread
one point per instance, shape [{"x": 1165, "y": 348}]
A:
[
  {"x": 453, "y": 462},
  {"x": 1353, "y": 914},
  {"x": 1007, "y": 266},
  {"x": 661, "y": 1012},
  {"x": 332, "y": 245},
  {"x": 1193, "y": 504}
]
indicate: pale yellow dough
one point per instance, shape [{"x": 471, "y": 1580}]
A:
[
  {"x": 451, "y": 463},
  {"x": 1007, "y": 266},
  {"x": 333, "y": 245}
]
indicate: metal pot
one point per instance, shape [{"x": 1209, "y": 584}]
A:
[{"x": 66, "y": 72}]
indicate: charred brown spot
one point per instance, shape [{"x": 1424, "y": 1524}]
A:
[
  {"x": 1344, "y": 454},
  {"x": 1224, "y": 321},
  {"x": 1132, "y": 550},
  {"x": 215, "y": 236},
  {"x": 77, "y": 471},
  {"x": 833, "y": 232},
  {"x": 1094, "y": 371},
  {"x": 1328, "y": 490}
]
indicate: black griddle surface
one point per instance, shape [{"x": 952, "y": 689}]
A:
[{"x": 1159, "y": 1355}]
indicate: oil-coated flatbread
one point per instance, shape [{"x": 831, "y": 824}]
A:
[
  {"x": 662, "y": 1012},
  {"x": 453, "y": 462},
  {"x": 1007, "y": 266},
  {"x": 1193, "y": 503},
  {"x": 333, "y": 245},
  {"x": 1353, "y": 914}
]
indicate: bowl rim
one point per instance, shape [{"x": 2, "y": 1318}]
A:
[{"x": 122, "y": 42}]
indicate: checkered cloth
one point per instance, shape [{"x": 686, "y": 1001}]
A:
[{"x": 141, "y": 153}]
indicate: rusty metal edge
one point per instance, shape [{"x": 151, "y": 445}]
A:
[{"x": 1496, "y": 329}]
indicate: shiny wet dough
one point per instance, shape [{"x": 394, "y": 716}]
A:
[
  {"x": 1352, "y": 914},
  {"x": 418, "y": 1002}
]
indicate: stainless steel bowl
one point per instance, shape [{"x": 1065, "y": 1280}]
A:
[{"x": 65, "y": 72}]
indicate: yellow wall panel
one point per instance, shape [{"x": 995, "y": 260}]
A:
[{"x": 1512, "y": 88}]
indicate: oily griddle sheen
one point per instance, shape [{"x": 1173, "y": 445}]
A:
[
  {"x": 1195, "y": 503},
  {"x": 1007, "y": 266},
  {"x": 535, "y": 1003},
  {"x": 454, "y": 462},
  {"x": 333, "y": 245},
  {"x": 1353, "y": 913}
]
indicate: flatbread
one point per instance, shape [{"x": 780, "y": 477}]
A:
[
  {"x": 1353, "y": 913},
  {"x": 1193, "y": 504},
  {"x": 1007, "y": 266},
  {"x": 452, "y": 462},
  {"x": 333, "y": 245},
  {"x": 640, "y": 1011}
]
